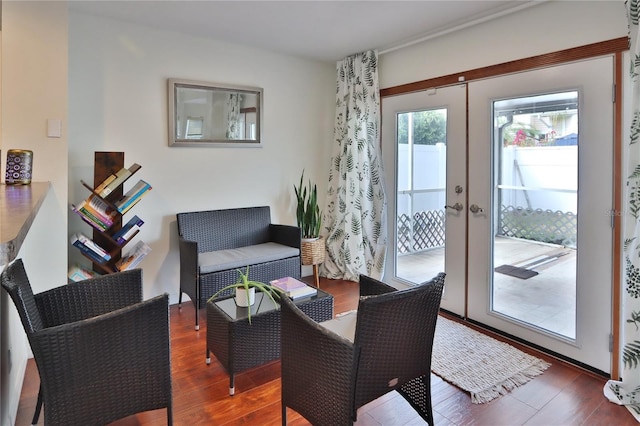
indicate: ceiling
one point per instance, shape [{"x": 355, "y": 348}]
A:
[{"x": 320, "y": 30}]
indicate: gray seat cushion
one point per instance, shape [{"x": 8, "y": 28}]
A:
[
  {"x": 343, "y": 324},
  {"x": 222, "y": 260}
]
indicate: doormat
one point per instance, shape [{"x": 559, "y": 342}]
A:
[
  {"x": 516, "y": 271},
  {"x": 481, "y": 365}
]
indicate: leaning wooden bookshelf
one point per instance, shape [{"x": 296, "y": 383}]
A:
[{"x": 104, "y": 209}]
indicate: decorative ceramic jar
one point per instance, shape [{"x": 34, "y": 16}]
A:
[{"x": 19, "y": 163}]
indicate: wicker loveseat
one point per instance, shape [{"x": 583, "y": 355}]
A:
[{"x": 214, "y": 244}]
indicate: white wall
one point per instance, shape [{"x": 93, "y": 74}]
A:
[
  {"x": 118, "y": 102},
  {"x": 34, "y": 89},
  {"x": 544, "y": 28}
]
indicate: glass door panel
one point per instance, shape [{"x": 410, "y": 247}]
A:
[
  {"x": 423, "y": 139},
  {"x": 541, "y": 177},
  {"x": 420, "y": 211},
  {"x": 536, "y": 210}
]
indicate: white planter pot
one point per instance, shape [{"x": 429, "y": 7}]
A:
[{"x": 245, "y": 299}]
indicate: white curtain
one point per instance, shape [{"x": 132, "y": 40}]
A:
[
  {"x": 232, "y": 107},
  {"x": 355, "y": 217},
  {"x": 627, "y": 391}
]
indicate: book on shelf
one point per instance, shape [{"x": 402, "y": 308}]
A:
[
  {"x": 81, "y": 241},
  {"x": 78, "y": 273},
  {"x": 120, "y": 177},
  {"x": 98, "y": 210},
  {"x": 128, "y": 230},
  {"x": 94, "y": 216},
  {"x": 98, "y": 189},
  {"x": 129, "y": 205},
  {"x": 132, "y": 196},
  {"x": 133, "y": 257},
  {"x": 294, "y": 288},
  {"x": 92, "y": 255},
  {"x": 93, "y": 221},
  {"x": 100, "y": 206}
]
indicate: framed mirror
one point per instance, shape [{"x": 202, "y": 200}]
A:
[{"x": 211, "y": 114}]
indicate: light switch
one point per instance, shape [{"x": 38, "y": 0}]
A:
[{"x": 54, "y": 128}]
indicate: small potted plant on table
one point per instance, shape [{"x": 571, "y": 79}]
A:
[{"x": 245, "y": 291}]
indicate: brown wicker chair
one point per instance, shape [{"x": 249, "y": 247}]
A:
[
  {"x": 102, "y": 352},
  {"x": 326, "y": 376}
]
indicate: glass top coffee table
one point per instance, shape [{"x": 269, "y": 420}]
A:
[{"x": 239, "y": 345}]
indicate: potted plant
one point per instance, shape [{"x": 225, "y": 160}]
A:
[
  {"x": 245, "y": 291},
  {"x": 308, "y": 214},
  {"x": 309, "y": 219}
]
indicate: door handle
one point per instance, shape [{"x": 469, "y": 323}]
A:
[
  {"x": 457, "y": 207},
  {"x": 475, "y": 209}
]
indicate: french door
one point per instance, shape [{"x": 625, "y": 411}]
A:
[
  {"x": 523, "y": 202},
  {"x": 428, "y": 175}
]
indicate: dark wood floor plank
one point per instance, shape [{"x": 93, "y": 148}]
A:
[
  {"x": 537, "y": 393},
  {"x": 573, "y": 405},
  {"x": 562, "y": 395}
]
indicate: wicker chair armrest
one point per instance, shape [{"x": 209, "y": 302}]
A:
[
  {"x": 89, "y": 298},
  {"x": 127, "y": 349},
  {"x": 371, "y": 287},
  {"x": 315, "y": 361},
  {"x": 188, "y": 251},
  {"x": 287, "y": 235}
]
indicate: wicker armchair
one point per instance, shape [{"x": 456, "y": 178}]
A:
[
  {"x": 102, "y": 352},
  {"x": 327, "y": 376}
]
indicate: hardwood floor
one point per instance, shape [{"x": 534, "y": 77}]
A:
[{"x": 562, "y": 395}]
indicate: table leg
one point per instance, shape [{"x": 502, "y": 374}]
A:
[{"x": 315, "y": 274}]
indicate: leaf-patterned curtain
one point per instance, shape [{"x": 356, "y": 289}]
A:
[
  {"x": 627, "y": 391},
  {"x": 355, "y": 218},
  {"x": 232, "y": 106}
]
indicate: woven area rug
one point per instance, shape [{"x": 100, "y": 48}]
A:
[{"x": 479, "y": 364}]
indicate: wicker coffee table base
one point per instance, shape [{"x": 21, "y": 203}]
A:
[{"x": 239, "y": 345}]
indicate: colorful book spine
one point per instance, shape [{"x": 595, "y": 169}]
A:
[
  {"x": 132, "y": 196},
  {"x": 100, "y": 206},
  {"x": 78, "y": 273},
  {"x": 104, "y": 184},
  {"x": 88, "y": 252},
  {"x": 134, "y": 257},
  {"x": 121, "y": 176},
  {"x": 98, "y": 217},
  {"x": 96, "y": 224},
  {"x": 125, "y": 233},
  {"x": 89, "y": 243},
  {"x": 91, "y": 216},
  {"x": 134, "y": 201}
]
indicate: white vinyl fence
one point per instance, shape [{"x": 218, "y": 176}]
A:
[{"x": 537, "y": 196}]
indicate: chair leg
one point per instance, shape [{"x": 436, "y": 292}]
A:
[
  {"x": 426, "y": 379},
  {"x": 284, "y": 415},
  {"x": 36, "y": 414},
  {"x": 169, "y": 415},
  {"x": 197, "y": 304}
]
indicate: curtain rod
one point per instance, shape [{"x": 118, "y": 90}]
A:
[{"x": 463, "y": 26}]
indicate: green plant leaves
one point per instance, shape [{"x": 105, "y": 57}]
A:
[
  {"x": 244, "y": 282},
  {"x": 308, "y": 213}
]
